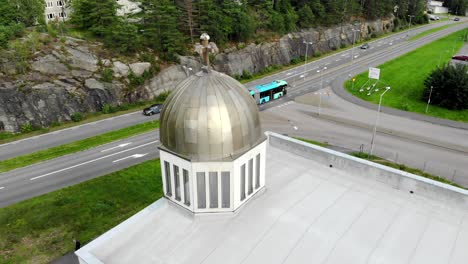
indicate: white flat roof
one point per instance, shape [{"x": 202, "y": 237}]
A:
[{"x": 308, "y": 213}]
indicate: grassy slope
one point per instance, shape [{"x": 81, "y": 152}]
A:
[
  {"x": 42, "y": 155},
  {"x": 406, "y": 76},
  {"x": 430, "y": 31},
  {"x": 42, "y": 228}
]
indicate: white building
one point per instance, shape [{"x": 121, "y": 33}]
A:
[
  {"x": 230, "y": 196},
  {"x": 59, "y": 10},
  {"x": 435, "y": 7},
  {"x": 56, "y": 10}
]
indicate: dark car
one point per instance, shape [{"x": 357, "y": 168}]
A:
[
  {"x": 365, "y": 46},
  {"x": 456, "y": 19},
  {"x": 460, "y": 57},
  {"x": 154, "y": 109}
]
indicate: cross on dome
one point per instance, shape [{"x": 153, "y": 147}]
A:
[{"x": 205, "y": 48}]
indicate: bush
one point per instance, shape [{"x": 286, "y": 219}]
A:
[
  {"x": 107, "y": 75},
  {"x": 76, "y": 117},
  {"x": 246, "y": 74},
  {"x": 135, "y": 80},
  {"x": 108, "y": 109},
  {"x": 26, "y": 128},
  {"x": 449, "y": 87},
  {"x": 317, "y": 54},
  {"x": 162, "y": 96},
  {"x": 298, "y": 60}
]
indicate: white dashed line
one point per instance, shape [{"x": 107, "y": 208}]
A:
[
  {"x": 2, "y": 188},
  {"x": 89, "y": 161}
]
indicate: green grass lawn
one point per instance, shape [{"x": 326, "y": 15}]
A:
[
  {"x": 54, "y": 152},
  {"x": 41, "y": 229},
  {"x": 430, "y": 31},
  {"x": 406, "y": 74}
]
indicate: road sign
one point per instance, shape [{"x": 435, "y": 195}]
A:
[{"x": 374, "y": 73}]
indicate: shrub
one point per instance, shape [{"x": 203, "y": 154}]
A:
[
  {"x": 107, "y": 75},
  {"x": 297, "y": 60},
  {"x": 246, "y": 74},
  {"x": 317, "y": 54},
  {"x": 135, "y": 80},
  {"x": 26, "y": 128},
  {"x": 449, "y": 87},
  {"x": 76, "y": 117},
  {"x": 108, "y": 109},
  {"x": 162, "y": 96}
]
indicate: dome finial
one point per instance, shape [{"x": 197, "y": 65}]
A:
[{"x": 205, "y": 48}]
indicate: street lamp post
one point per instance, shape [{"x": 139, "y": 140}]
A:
[
  {"x": 429, "y": 100},
  {"x": 377, "y": 122},
  {"x": 352, "y": 50},
  {"x": 321, "y": 87},
  {"x": 305, "y": 58},
  {"x": 410, "y": 16}
]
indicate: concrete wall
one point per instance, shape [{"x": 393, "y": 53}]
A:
[{"x": 372, "y": 171}]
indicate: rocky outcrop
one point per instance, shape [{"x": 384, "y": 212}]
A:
[
  {"x": 139, "y": 68},
  {"x": 120, "y": 69},
  {"x": 256, "y": 57},
  {"x": 66, "y": 78}
]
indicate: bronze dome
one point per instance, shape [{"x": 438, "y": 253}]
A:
[{"x": 210, "y": 116}]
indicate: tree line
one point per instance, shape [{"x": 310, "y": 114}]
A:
[{"x": 166, "y": 26}]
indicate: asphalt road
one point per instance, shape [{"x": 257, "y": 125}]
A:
[
  {"x": 380, "y": 50},
  {"x": 41, "y": 178}
]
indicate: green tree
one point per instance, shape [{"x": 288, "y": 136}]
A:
[
  {"x": 96, "y": 16},
  {"x": 306, "y": 16},
  {"x": 123, "y": 37},
  {"x": 160, "y": 28},
  {"x": 449, "y": 87}
]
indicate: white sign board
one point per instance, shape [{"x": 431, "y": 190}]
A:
[{"x": 374, "y": 73}]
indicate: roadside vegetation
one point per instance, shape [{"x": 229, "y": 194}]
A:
[
  {"x": 80, "y": 145},
  {"x": 79, "y": 119},
  {"x": 41, "y": 229},
  {"x": 430, "y": 31},
  {"x": 406, "y": 76}
]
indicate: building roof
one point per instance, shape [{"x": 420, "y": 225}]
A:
[
  {"x": 210, "y": 116},
  {"x": 353, "y": 211}
]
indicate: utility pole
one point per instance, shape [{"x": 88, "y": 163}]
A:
[
  {"x": 410, "y": 16},
  {"x": 354, "y": 40},
  {"x": 377, "y": 121},
  {"x": 429, "y": 100},
  {"x": 305, "y": 58}
]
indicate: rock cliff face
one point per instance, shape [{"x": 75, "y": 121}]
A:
[
  {"x": 255, "y": 58},
  {"x": 68, "y": 77}
]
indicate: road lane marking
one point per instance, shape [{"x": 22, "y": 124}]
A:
[
  {"x": 135, "y": 156},
  {"x": 89, "y": 161},
  {"x": 119, "y": 146},
  {"x": 2, "y": 188}
]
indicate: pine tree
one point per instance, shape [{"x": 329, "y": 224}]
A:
[{"x": 160, "y": 25}]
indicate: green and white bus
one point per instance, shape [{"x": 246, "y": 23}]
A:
[{"x": 269, "y": 91}]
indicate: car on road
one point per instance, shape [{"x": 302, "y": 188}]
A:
[
  {"x": 456, "y": 19},
  {"x": 460, "y": 57},
  {"x": 365, "y": 46},
  {"x": 153, "y": 109}
]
